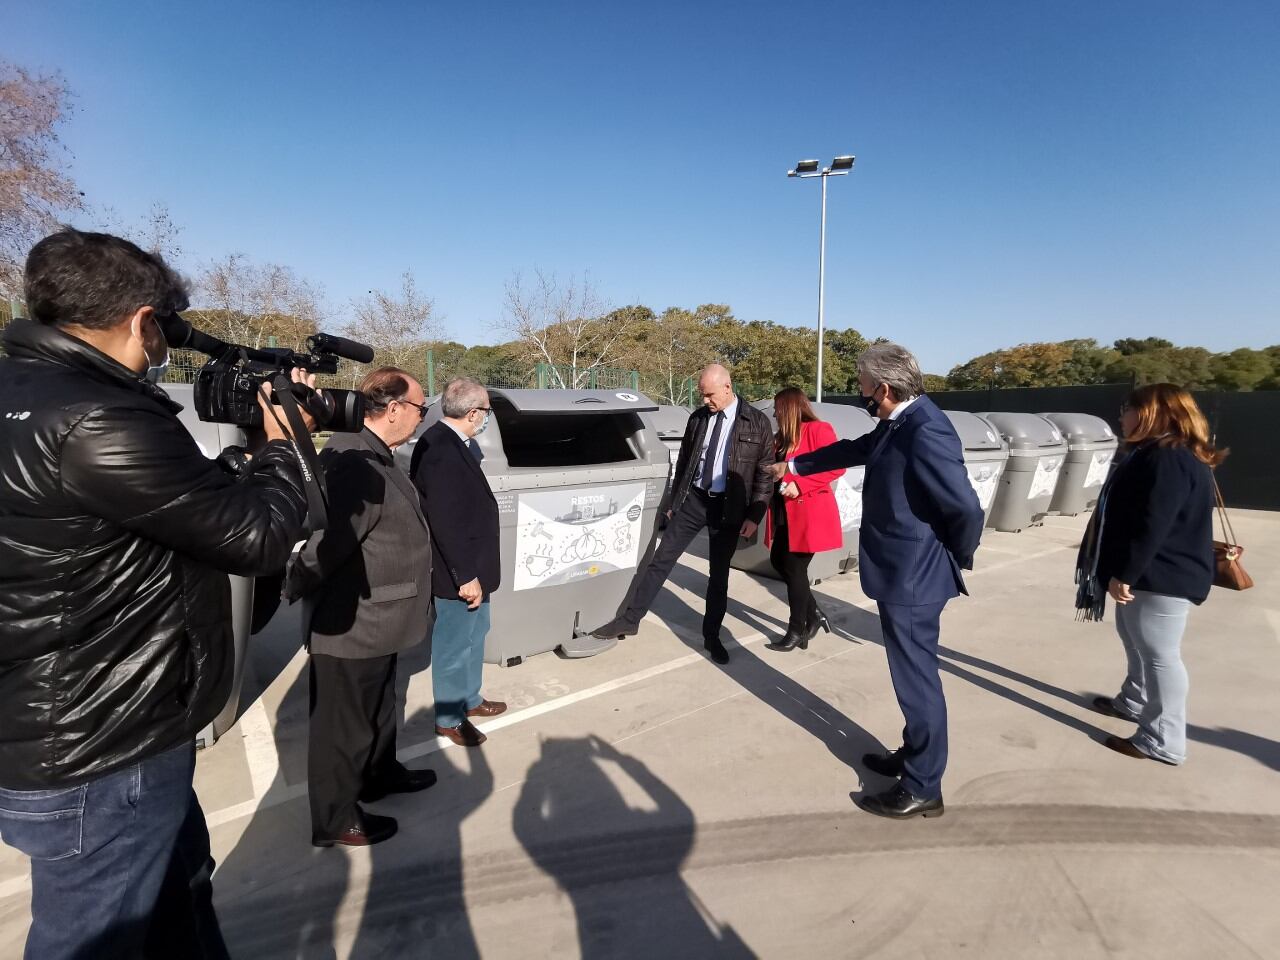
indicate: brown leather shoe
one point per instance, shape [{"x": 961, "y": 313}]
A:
[
  {"x": 464, "y": 734},
  {"x": 488, "y": 708},
  {"x": 371, "y": 829}
]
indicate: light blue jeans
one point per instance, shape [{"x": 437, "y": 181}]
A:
[
  {"x": 457, "y": 659},
  {"x": 1154, "y": 694}
]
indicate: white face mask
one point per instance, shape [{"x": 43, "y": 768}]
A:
[{"x": 155, "y": 371}]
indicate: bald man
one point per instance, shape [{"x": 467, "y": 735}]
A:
[{"x": 722, "y": 483}]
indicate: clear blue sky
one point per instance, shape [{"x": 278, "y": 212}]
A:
[{"x": 1026, "y": 170}]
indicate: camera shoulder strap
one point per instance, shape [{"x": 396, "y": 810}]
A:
[{"x": 305, "y": 452}]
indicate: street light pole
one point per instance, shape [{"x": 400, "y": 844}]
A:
[
  {"x": 822, "y": 285},
  {"x": 804, "y": 170}
]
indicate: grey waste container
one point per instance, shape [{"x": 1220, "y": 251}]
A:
[
  {"x": 985, "y": 455},
  {"x": 578, "y": 475},
  {"x": 849, "y": 423},
  {"x": 670, "y": 422},
  {"x": 1037, "y": 450},
  {"x": 1091, "y": 446},
  {"x": 213, "y": 438}
]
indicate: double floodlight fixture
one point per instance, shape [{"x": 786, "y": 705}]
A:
[
  {"x": 840, "y": 166},
  {"x": 803, "y": 170}
]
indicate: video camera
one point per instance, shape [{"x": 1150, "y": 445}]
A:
[{"x": 226, "y": 388}]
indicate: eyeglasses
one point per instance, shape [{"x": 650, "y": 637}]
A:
[
  {"x": 422, "y": 408},
  {"x": 483, "y": 409}
]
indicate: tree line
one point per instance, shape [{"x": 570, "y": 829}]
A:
[
  {"x": 550, "y": 331},
  {"x": 1136, "y": 360}
]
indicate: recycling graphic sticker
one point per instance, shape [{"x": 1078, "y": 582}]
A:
[{"x": 568, "y": 535}]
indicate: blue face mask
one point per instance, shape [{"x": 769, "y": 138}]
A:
[
  {"x": 484, "y": 424},
  {"x": 155, "y": 371}
]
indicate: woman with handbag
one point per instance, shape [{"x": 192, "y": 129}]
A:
[
  {"x": 803, "y": 518},
  {"x": 1150, "y": 547}
]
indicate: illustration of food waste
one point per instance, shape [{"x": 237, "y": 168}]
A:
[{"x": 568, "y": 535}]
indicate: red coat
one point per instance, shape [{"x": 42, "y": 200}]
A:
[{"x": 813, "y": 518}]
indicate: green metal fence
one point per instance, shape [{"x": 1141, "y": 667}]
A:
[{"x": 561, "y": 376}]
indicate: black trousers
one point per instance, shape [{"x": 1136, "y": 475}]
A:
[
  {"x": 699, "y": 510},
  {"x": 793, "y": 568},
  {"x": 353, "y": 736}
]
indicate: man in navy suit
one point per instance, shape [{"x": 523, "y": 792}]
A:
[
  {"x": 921, "y": 522},
  {"x": 466, "y": 567}
]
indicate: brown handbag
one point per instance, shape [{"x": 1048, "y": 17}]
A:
[{"x": 1228, "y": 572}]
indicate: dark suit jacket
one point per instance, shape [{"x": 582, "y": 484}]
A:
[
  {"x": 1157, "y": 532},
  {"x": 462, "y": 512},
  {"x": 921, "y": 520},
  {"x": 366, "y": 579},
  {"x": 749, "y": 454}
]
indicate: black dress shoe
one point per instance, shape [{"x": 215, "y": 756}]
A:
[
  {"x": 617, "y": 628},
  {"x": 370, "y": 829},
  {"x": 891, "y": 764},
  {"x": 406, "y": 781},
  {"x": 790, "y": 642},
  {"x": 1107, "y": 707},
  {"x": 900, "y": 804},
  {"x": 718, "y": 653}
]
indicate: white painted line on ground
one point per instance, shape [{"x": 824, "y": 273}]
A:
[{"x": 260, "y": 750}]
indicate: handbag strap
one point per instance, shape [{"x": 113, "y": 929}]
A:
[{"x": 1227, "y": 532}]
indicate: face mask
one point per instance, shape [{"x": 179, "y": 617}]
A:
[
  {"x": 871, "y": 404},
  {"x": 155, "y": 371},
  {"x": 484, "y": 425}
]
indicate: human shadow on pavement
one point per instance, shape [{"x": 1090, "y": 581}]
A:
[
  {"x": 846, "y": 740},
  {"x": 278, "y": 896},
  {"x": 416, "y": 904},
  {"x": 865, "y": 625},
  {"x": 1264, "y": 751},
  {"x": 618, "y": 857}
]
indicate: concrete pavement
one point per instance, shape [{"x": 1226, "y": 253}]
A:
[{"x": 648, "y": 803}]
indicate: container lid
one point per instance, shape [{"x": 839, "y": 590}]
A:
[
  {"x": 1081, "y": 427},
  {"x": 849, "y": 422},
  {"x": 575, "y": 401},
  {"x": 1026, "y": 431},
  {"x": 670, "y": 422},
  {"x": 974, "y": 432}
]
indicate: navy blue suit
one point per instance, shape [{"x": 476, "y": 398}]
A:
[{"x": 921, "y": 522}]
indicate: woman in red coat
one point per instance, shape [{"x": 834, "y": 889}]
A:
[{"x": 803, "y": 518}]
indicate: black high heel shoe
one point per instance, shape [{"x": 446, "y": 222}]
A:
[
  {"x": 790, "y": 642},
  {"x": 818, "y": 621}
]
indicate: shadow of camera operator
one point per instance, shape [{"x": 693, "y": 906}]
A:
[{"x": 614, "y": 837}]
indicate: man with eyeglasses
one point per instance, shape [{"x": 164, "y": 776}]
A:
[
  {"x": 366, "y": 583},
  {"x": 466, "y": 568}
]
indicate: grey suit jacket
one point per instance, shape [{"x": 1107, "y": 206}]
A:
[{"x": 366, "y": 579}]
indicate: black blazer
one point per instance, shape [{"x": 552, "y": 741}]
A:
[
  {"x": 461, "y": 510},
  {"x": 1157, "y": 525}
]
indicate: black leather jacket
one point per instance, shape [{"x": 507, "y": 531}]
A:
[
  {"x": 748, "y": 486},
  {"x": 116, "y": 535}
]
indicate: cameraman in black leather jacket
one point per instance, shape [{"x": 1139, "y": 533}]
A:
[{"x": 116, "y": 536}]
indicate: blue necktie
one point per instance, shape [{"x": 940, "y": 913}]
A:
[{"x": 709, "y": 458}]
